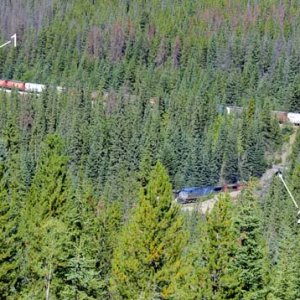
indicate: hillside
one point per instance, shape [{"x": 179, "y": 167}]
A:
[
  {"x": 262, "y": 186},
  {"x": 87, "y": 173}
]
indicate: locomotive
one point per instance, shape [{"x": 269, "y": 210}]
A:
[{"x": 191, "y": 194}]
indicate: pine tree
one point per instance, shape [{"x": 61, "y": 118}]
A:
[
  {"x": 219, "y": 252},
  {"x": 253, "y": 160},
  {"x": 285, "y": 276},
  {"x": 93, "y": 230},
  {"x": 6, "y": 282},
  {"x": 294, "y": 157},
  {"x": 230, "y": 170},
  {"x": 269, "y": 128},
  {"x": 247, "y": 123},
  {"x": 11, "y": 202},
  {"x": 147, "y": 261},
  {"x": 45, "y": 222},
  {"x": 199, "y": 277},
  {"x": 250, "y": 256},
  {"x": 97, "y": 160}
]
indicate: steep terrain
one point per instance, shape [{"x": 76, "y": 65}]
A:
[
  {"x": 86, "y": 176},
  {"x": 264, "y": 181}
]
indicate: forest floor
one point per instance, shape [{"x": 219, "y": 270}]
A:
[{"x": 264, "y": 182}]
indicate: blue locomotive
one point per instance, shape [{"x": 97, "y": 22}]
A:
[{"x": 191, "y": 194}]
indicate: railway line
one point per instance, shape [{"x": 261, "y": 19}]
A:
[
  {"x": 187, "y": 196},
  {"x": 28, "y": 87}
]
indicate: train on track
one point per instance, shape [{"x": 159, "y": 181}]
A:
[
  {"x": 27, "y": 87},
  {"x": 24, "y": 86},
  {"x": 192, "y": 194},
  {"x": 281, "y": 116}
]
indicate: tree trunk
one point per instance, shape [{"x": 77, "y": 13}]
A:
[{"x": 48, "y": 283}]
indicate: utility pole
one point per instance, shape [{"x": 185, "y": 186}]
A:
[
  {"x": 13, "y": 39},
  {"x": 289, "y": 192}
]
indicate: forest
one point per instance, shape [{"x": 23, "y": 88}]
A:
[{"x": 87, "y": 175}]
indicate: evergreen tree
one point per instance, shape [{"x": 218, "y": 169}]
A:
[
  {"x": 253, "y": 159},
  {"x": 285, "y": 276},
  {"x": 250, "y": 257},
  {"x": 230, "y": 169},
  {"x": 147, "y": 261},
  {"x": 93, "y": 230},
  {"x": 46, "y": 223},
  {"x": 11, "y": 202},
  {"x": 219, "y": 252},
  {"x": 7, "y": 233}
]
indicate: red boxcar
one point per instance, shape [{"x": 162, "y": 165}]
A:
[
  {"x": 3, "y": 83},
  {"x": 15, "y": 85}
]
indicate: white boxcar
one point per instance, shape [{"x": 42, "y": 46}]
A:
[
  {"x": 294, "y": 118},
  {"x": 60, "y": 89},
  {"x": 34, "y": 87}
]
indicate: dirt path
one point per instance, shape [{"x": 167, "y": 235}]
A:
[
  {"x": 205, "y": 206},
  {"x": 266, "y": 179}
]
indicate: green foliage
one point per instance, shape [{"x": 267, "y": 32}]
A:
[
  {"x": 219, "y": 251},
  {"x": 285, "y": 279},
  {"x": 10, "y": 238},
  {"x": 45, "y": 224},
  {"x": 146, "y": 81},
  {"x": 251, "y": 260},
  {"x": 147, "y": 261}
]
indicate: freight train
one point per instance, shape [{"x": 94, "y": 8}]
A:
[
  {"x": 24, "y": 86},
  {"x": 191, "y": 194}
]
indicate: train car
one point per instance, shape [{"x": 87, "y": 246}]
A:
[
  {"x": 18, "y": 85},
  {"x": 234, "y": 110},
  {"x": 186, "y": 195},
  {"x": 191, "y": 194},
  {"x": 60, "y": 89},
  {"x": 34, "y": 87},
  {"x": 3, "y": 83},
  {"x": 294, "y": 118},
  {"x": 12, "y": 84}
]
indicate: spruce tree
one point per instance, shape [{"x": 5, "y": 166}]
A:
[
  {"x": 7, "y": 224},
  {"x": 147, "y": 262},
  {"x": 11, "y": 202},
  {"x": 230, "y": 169},
  {"x": 93, "y": 227},
  {"x": 251, "y": 258},
  {"x": 45, "y": 222},
  {"x": 285, "y": 280},
  {"x": 219, "y": 252}
]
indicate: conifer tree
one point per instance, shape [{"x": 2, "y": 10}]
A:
[
  {"x": 230, "y": 170},
  {"x": 11, "y": 201},
  {"x": 199, "y": 277},
  {"x": 93, "y": 229},
  {"x": 6, "y": 224},
  {"x": 294, "y": 157},
  {"x": 96, "y": 166},
  {"x": 219, "y": 252},
  {"x": 253, "y": 160},
  {"x": 285, "y": 276},
  {"x": 147, "y": 261},
  {"x": 250, "y": 256},
  {"x": 45, "y": 222}
]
